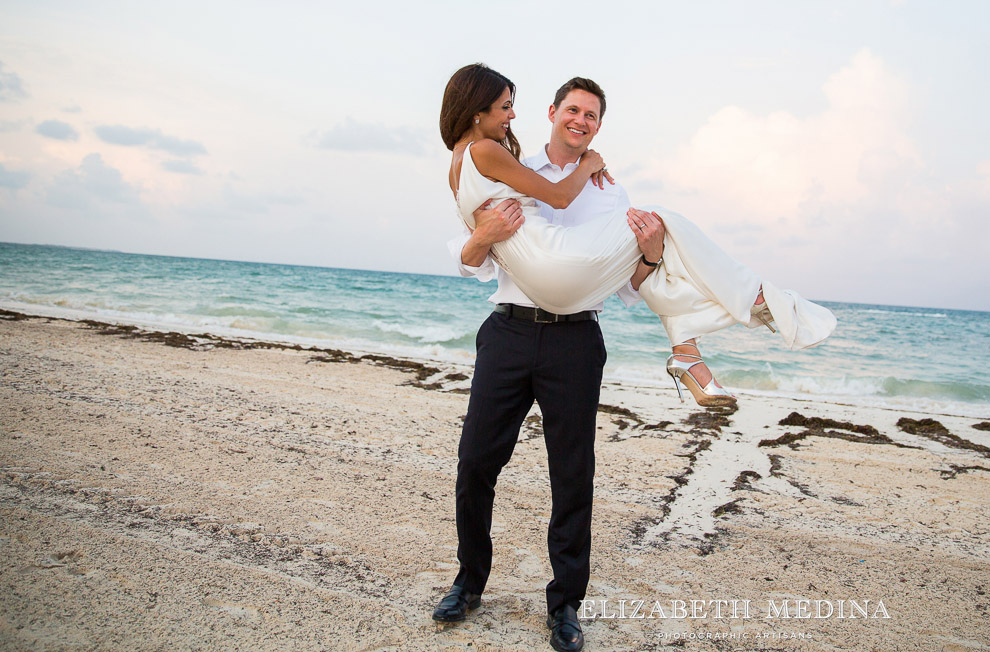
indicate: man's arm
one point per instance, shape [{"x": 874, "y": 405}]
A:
[
  {"x": 484, "y": 272},
  {"x": 649, "y": 230},
  {"x": 491, "y": 225}
]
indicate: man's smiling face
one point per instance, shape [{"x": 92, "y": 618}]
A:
[{"x": 576, "y": 121}]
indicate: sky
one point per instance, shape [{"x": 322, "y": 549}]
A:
[{"x": 839, "y": 148}]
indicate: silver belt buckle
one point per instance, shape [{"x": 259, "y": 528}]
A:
[{"x": 544, "y": 321}]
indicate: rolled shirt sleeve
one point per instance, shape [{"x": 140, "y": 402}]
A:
[
  {"x": 628, "y": 295},
  {"x": 484, "y": 272}
]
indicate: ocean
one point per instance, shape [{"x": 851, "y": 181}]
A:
[{"x": 923, "y": 359}]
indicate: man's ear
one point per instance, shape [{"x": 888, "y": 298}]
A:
[{"x": 552, "y": 113}]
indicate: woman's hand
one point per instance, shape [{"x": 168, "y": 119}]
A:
[
  {"x": 598, "y": 178},
  {"x": 593, "y": 160},
  {"x": 599, "y": 173}
]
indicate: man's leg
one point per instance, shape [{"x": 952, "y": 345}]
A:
[
  {"x": 501, "y": 395},
  {"x": 567, "y": 385}
]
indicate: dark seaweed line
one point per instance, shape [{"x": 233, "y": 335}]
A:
[
  {"x": 207, "y": 341},
  {"x": 705, "y": 425},
  {"x": 935, "y": 431}
]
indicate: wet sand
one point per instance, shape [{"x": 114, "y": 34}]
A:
[{"x": 173, "y": 492}]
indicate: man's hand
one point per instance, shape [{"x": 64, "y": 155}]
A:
[
  {"x": 491, "y": 225},
  {"x": 649, "y": 230}
]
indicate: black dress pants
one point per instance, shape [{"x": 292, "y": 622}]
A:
[{"x": 560, "y": 366}]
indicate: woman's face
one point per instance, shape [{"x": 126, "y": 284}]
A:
[{"x": 495, "y": 123}]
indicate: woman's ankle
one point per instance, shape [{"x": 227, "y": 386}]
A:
[
  {"x": 686, "y": 348},
  {"x": 689, "y": 352}
]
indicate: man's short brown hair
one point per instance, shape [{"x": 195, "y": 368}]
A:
[{"x": 581, "y": 84}]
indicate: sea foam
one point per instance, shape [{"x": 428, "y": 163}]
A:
[{"x": 903, "y": 358}]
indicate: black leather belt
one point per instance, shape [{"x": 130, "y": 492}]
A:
[{"x": 541, "y": 316}]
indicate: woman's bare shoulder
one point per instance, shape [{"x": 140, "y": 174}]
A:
[
  {"x": 491, "y": 159},
  {"x": 488, "y": 148}
]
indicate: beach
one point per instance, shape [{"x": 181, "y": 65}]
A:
[{"x": 168, "y": 491}]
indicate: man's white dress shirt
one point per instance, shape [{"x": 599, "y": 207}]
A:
[{"x": 593, "y": 202}]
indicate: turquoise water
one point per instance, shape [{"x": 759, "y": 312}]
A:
[{"x": 932, "y": 360}]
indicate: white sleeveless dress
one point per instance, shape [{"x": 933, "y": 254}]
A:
[{"x": 699, "y": 289}]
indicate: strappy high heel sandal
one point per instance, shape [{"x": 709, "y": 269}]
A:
[
  {"x": 762, "y": 312},
  {"x": 709, "y": 396}
]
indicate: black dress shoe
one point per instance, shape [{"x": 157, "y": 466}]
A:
[
  {"x": 454, "y": 606},
  {"x": 565, "y": 630}
]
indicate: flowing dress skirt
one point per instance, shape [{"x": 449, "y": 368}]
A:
[{"x": 698, "y": 289}]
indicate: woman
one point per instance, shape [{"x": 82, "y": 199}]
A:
[{"x": 699, "y": 290}]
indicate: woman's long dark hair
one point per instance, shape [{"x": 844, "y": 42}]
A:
[{"x": 471, "y": 90}]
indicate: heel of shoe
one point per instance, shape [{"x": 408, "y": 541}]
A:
[
  {"x": 762, "y": 312},
  {"x": 710, "y": 396},
  {"x": 677, "y": 385}
]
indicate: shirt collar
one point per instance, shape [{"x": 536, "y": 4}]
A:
[{"x": 539, "y": 161}]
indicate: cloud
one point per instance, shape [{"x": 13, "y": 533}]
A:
[
  {"x": 74, "y": 108},
  {"x": 57, "y": 130},
  {"x": 150, "y": 138},
  {"x": 779, "y": 165},
  {"x": 11, "y": 125},
  {"x": 92, "y": 180},
  {"x": 826, "y": 188},
  {"x": 352, "y": 136},
  {"x": 180, "y": 167},
  {"x": 12, "y": 179},
  {"x": 11, "y": 86}
]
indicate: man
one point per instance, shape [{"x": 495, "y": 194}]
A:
[{"x": 525, "y": 353}]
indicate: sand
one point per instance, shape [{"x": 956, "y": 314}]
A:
[{"x": 175, "y": 493}]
